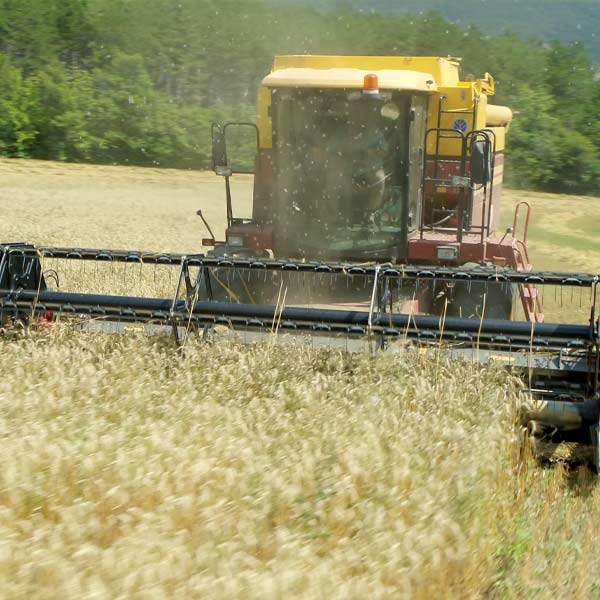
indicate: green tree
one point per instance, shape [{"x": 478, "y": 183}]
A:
[
  {"x": 544, "y": 153},
  {"x": 572, "y": 83},
  {"x": 16, "y": 130},
  {"x": 140, "y": 82}
]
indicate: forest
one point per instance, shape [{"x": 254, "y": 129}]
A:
[
  {"x": 140, "y": 81},
  {"x": 563, "y": 20}
]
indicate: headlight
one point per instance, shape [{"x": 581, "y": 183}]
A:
[
  {"x": 235, "y": 240},
  {"x": 446, "y": 252}
]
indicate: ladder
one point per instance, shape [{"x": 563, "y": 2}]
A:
[{"x": 528, "y": 292}]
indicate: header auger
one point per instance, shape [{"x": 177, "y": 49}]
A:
[{"x": 375, "y": 209}]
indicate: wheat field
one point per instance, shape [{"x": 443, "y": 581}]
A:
[{"x": 133, "y": 470}]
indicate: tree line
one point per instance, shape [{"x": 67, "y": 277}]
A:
[
  {"x": 140, "y": 81},
  {"x": 564, "y": 20}
]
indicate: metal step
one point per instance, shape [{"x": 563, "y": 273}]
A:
[
  {"x": 530, "y": 292},
  {"x": 534, "y": 316}
]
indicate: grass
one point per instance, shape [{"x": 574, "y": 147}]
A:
[
  {"x": 563, "y": 234},
  {"x": 132, "y": 470}
]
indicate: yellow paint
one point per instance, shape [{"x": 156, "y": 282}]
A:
[
  {"x": 500, "y": 133},
  {"x": 444, "y": 71},
  {"x": 134, "y": 329},
  {"x": 263, "y": 119},
  {"x": 501, "y": 358},
  {"x": 349, "y": 79},
  {"x": 467, "y": 100}
]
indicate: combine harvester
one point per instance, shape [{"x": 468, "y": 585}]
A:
[{"x": 376, "y": 203}]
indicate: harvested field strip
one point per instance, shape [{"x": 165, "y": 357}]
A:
[{"x": 563, "y": 234}]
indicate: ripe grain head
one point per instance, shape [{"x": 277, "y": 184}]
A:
[{"x": 243, "y": 472}]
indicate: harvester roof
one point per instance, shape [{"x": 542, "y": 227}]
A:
[
  {"x": 411, "y": 73},
  {"x": 345, "y": 78}
]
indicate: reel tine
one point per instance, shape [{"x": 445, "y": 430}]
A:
[{"x": 561, "y": 296}]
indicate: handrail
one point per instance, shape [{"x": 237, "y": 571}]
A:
[{"x": 527, "y": 218}]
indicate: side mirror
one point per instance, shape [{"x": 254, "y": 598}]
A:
[
  {"x": 219, "y": 151},
  {"x": 481, "y": 162},
  {"x": 244, "y": 139}
]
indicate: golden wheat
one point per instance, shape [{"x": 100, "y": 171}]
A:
[
  {"x": 227, "y": 472},
  {"x": 133, "y": 470}
]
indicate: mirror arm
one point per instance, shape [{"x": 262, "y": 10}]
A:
[
  {"x": 210, "y": 232},
  {"x": 229, "y": 202}
]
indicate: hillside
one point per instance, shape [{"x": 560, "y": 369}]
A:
[{"x": 567, "y": 21}]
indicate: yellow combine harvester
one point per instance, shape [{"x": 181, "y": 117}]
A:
[
  {"x": 378, "y": 159},
  {"x": 376, "y": 204}
]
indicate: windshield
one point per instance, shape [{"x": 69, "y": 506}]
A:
[{"x": 341, "y": 170}]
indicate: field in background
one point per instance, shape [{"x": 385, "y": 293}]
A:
[
  {"x": 564, "y": 234},
  {"x": 153, "y": 209},
  {"x": 130, "y": 470},
  {"x": 114, "y": 207}
]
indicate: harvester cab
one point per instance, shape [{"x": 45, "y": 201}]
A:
[
  {"x": 381, "y": 159},
  {"x": 373, "y": 158},
  {"x": 377, "y": 185}
]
